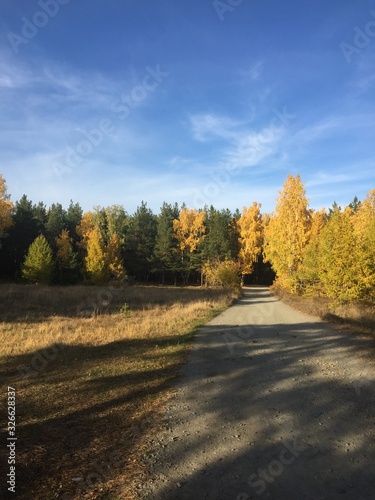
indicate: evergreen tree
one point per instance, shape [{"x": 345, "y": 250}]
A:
[
  {"x": 56, "y": 222},
  {"x": 335, "y": 208},
  {"x": 67, "y": 259},
  {"x": 23, "y": 232},
  {"x": 234, "y": 235},
  {"x": 165, "y": 251},
  {"x": 140, "y": 243},
  {"x": 40, "y": 216},
  {"x": 38, "y": 266},
  {"x": 73, "y": 218},
  {"x": 355, "y": 204},
  {"x": 217, "y": 244}
]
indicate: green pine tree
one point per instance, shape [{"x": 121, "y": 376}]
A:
[
  {"x": 38, "y": 265},
  {"x": 165, "y": 250}
]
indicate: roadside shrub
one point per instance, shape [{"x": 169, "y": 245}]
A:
[{"x": 225, "y": 274}]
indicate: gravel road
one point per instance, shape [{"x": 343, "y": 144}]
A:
[{"x": 272, "y": 403}]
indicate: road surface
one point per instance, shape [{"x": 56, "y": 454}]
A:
[{"x": 272, "y": 403}]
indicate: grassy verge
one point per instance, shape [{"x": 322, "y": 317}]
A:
[
  {"x": 92, "y": 368},
  {"x": 358, "y": 317}
]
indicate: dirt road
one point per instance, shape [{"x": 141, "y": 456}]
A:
[{"x": 271, "y": 404}]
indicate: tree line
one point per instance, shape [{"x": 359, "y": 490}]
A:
[{"x": 325, "y": 253}]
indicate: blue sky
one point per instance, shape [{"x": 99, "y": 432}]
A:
[{"x": 203, "y": 101}]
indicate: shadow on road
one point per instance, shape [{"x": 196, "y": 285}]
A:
[{"x": 281, "y": 410}]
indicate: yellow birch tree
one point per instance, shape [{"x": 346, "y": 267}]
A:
[
  {"x": 340, "y": 267},
  {"x": 308, "y": 272},
  {"x": 287, "y": 233},
  {"x": 85, "y": 228},
  {"x": 189, "y": 229},
  {"x": 364, "y": 224},
  {"x": 95, "y": 260},
  {"x": 250, "y": 227},
  {"x": 114, "y": 261},
  {"x": 365, "y": 213}
]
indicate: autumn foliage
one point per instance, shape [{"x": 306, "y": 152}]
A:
[
  {"x": 325, "y": 253},
  {"x": 6, "y": 206},
  {"x": 250, "y": 227},
  {"x": 288, "y": 232},
  {"x": 319, "y": 254}
]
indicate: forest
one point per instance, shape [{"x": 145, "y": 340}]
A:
[{"x": 326, "y": 253}]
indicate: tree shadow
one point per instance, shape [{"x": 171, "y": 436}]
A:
[
  {"x": 90, "y": 428},
  {"x": 264, "y": 410},
  {"x": 34, "y": 303},
  {"x": 275, "y": 411}
]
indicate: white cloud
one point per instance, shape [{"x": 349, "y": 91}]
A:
[
  {"x": 208, "y": 126},
  {"x": 13, "y": 76},
  {"x": 241, "y": 146},
  {"x": 323, "y": 179},
  {"x": 348, "y": 172},
  {"x": 252, "y": 148},
  {"x": 318, "y": 130}
]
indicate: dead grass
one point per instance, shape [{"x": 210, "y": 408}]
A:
[
  {"x": 358, "y": 317},
  {"x": 92, "y": 368}
]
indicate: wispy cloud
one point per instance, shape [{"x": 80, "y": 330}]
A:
[
  {"x": 13, "y": 76},
  {"x": 49, "y": 84},
  {"x": 241, "y": 145},
  {"x": 334, "y": 125},
  {"x": 341, "y": 184},
  {"x": 252, "y": 148},
  {"x": 324, "y": 179},
  {"x": 206, "y": 127},
  {"x": 348, "y": 172},
  {"x": 315, "y": 131}
]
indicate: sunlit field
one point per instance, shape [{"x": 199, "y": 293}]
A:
[{"x": 92, "y": 368}]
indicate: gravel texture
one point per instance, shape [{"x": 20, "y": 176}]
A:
[{"x": 272, "y": 403}]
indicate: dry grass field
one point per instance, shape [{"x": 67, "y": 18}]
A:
[
  {"x": 91, "y": 368},
  {"x": 358, "y": 317}
]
